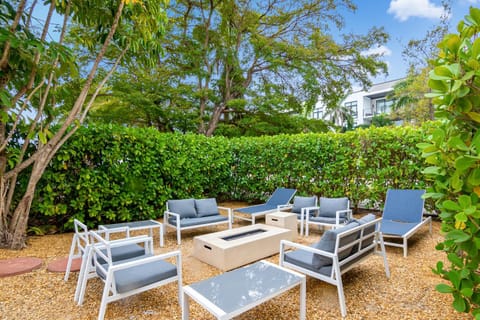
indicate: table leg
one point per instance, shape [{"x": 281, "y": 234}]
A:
[
  {"x": 161, "y": 235},
  {"x": 303, "y": 294},
  {"x": 185, "y": 307}
]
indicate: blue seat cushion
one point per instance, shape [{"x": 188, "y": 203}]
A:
[
  {"x": 125, "y": 252},
  {"x": 328, "y": 220},
  {"x": 206, "y": 207},
  {"x": 330, "y": 206},
  {"x": 141, "y": 275},
  {"x": 302, "y": 202},
  {"x": 327, "y": 243},
  {"x": 188, "y": 222},
  {"x": 184, "y": 207},
  {"x": 396, "y": 228}
]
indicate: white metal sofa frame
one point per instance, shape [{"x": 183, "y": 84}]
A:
[
  {"x": 308, "y": 215},
  {"x": 131, "y": 276},
  {"x": 197, "y": 222},
  {"x": 340, "y": 266}
]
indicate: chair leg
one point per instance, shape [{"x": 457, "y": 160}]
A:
[
  {"x": 70, "y": 257},
  {"x": 405, "y": 247},
  {"x": 341, "y": 296},
  {"x": 103, "y": 304}
]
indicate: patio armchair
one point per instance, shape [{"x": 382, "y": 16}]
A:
[
  {"x": 131, "y": 276},
  {"x": 81, "y": 242},
  {"x": 301, "y": 207},
  {"x": 332, "y": 212}
]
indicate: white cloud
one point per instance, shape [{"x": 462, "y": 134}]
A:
[
  {"x": 381, "y": 50},
  {"x": 404, "y": 9}
]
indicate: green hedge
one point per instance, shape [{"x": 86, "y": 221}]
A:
[{"x": 111, "y": 173}]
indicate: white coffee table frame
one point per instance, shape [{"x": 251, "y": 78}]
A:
[
  {"x": 137, "y": 225},
  {"x": 267, "y": 271}
]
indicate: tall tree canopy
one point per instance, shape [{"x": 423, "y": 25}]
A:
[
  {"x": 240, "y": 57},
  {"x": 411, "y": 105},
  {"x": 36, "y": 87}
]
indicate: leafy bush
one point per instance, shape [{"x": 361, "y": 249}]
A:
[
  {"x": 111, "y": 173},
  {"x": 453, "y": 152}
]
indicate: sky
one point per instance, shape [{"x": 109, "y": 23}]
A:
[{"x": 403, "y": 20}]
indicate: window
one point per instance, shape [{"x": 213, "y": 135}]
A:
[
  {"x": 317, "y": 114},
  {"x": 352, "y": 107},
  {"x": 383, "y": 106}
]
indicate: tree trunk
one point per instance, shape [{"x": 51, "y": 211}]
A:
[{"x": 13, "y": 233}]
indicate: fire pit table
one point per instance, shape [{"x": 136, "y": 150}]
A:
[{"x": 230, "y": 249}]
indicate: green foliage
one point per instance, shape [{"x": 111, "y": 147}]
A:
[
  {"x": 112, "y": 173},
  {"x": 452, "y": 151},
  {"x": 243, "y": 51}
]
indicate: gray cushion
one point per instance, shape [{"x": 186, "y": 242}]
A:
[
  {"x": 327, "y": 243},
  {"x": 188, "y": 222},
  {"x": 185, "y": 207},
  {"x": 302, "y": 202},
  {"x": 370, "y": 230},
  {"x": 141, "y": 275},
  {"x": 330, "y": 206},
  {"x": 206, "y": 207}
]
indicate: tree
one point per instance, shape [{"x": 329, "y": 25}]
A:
[
  {"x": 452, "y": 153},
  {"x": 243, "y": 56},
  {"x": 411, "y": 105},
  {"x": 33, "y": 72}
]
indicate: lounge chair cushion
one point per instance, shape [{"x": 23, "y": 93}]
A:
[
  {"x": 327, "y": 243},
  {"x": 184, "y": 207},
  {"x": 302, "y": 202},
  {"x": 206, "y": 207},
  {"x": 330, "y": 206}
]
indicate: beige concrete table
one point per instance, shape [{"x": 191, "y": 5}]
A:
[
  {"x": 281, "y": 219},
  {"x": 230, "y": 249}
]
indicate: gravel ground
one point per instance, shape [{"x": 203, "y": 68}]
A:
[{"x": 408, "y": 294}]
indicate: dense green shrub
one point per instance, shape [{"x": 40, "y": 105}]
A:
[
  {"x": 453, "y": 152},
  {"x": 112, "y": 173}
]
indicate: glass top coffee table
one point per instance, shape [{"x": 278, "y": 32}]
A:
[{"x": 234, "y": 292}]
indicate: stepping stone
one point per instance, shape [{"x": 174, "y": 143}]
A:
[
  {"x": 15, "y": 266},
  {"x": 60, "y": 265}
]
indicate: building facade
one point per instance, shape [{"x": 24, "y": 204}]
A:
[{"x": 363, "y": 105}]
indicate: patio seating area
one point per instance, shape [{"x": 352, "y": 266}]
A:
[{"x": 367, "y": 291}]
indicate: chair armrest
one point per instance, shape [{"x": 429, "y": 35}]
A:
[
  {"x": 169, "y": 213},
  {"x": 285, "y": 243},
  {"x": 338, "y": 212},
  {"x": 307, "y": 212},
  {"x": 229, "y": 212}
]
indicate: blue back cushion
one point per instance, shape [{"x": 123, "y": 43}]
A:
[
  {"x": 281, "y": 196},
  {"x": 303, "y": 202},
  {"x": 404, "y": 205},
  {"x": 327, "y": 243},
  {"x": 185, "y": 208},
  {"x": 206, "y": 207},
  {"x": 330, "y": 206}
]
